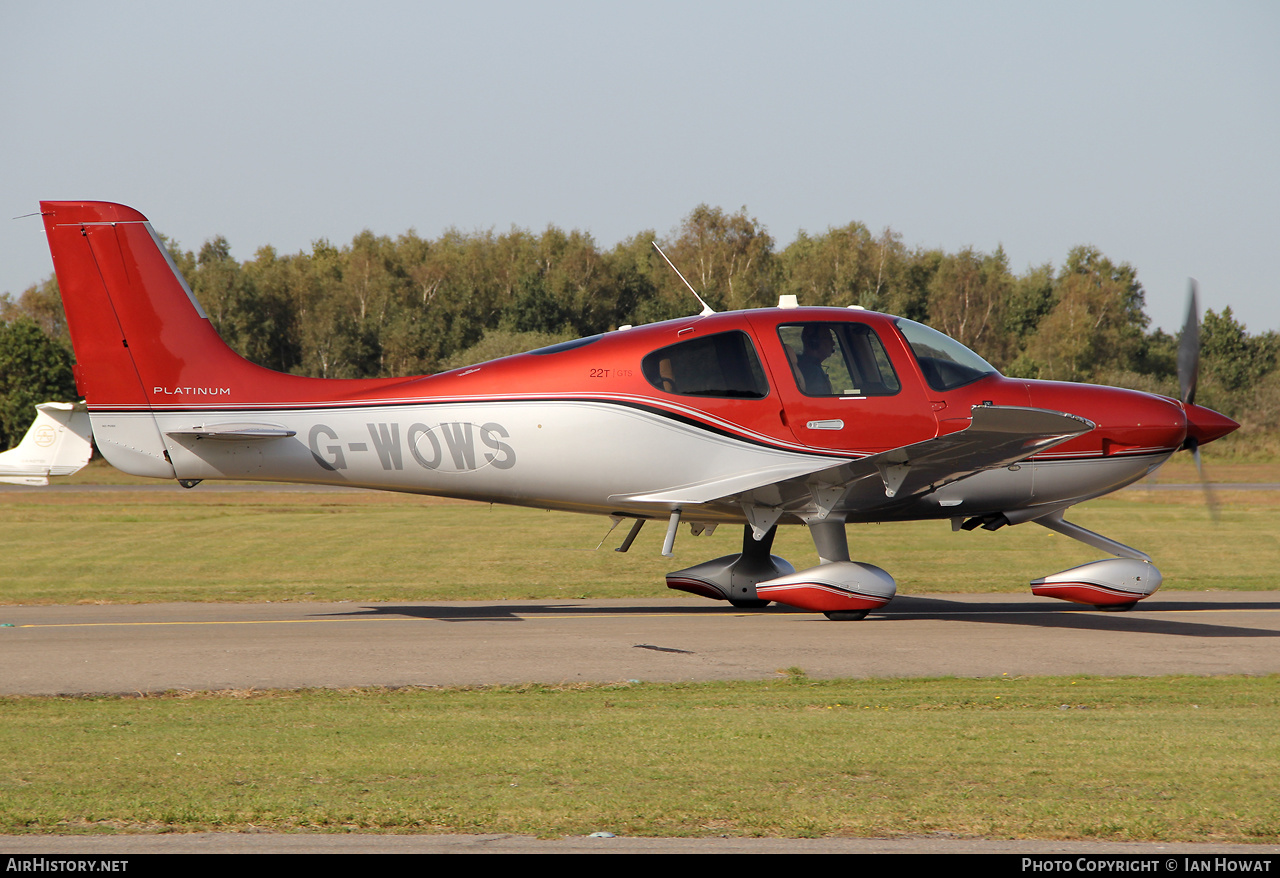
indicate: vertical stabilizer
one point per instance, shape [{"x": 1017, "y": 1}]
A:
[
  {"x": 140, "y": 336},
  {"x": 144, "y": 346}
]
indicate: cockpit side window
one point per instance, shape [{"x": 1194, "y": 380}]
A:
[
  {"x": 945, "y": 362},
  {"x": 725, "y": 364},
  {"x": 838, "y": 359}
]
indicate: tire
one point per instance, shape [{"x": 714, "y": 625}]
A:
[
  {"x": 847, "y": 615},
  {"x": 1116, "y": 608}
]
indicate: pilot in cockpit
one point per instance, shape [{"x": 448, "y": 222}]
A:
[{"x": 818, "y": 346}]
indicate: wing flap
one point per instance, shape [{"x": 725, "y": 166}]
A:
[{"x": 714, "y": 489}]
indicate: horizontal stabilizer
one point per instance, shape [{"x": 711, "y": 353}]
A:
[{"x": 239, "y": 432}]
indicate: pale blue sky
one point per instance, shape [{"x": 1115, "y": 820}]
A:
[{"x": 1148, "y": 129}]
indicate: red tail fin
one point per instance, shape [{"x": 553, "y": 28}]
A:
[
  {"x": 142, "y": 341},
  {"x": 139, "y": 334}
]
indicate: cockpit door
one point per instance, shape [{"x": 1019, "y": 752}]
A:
[{"x": 846, "y": 384}]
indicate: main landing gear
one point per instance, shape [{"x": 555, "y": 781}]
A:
[
  {"x": 733, "y": 578},
  {"x": 842, "y": 589},
  {"x": 846, "y": 590}
]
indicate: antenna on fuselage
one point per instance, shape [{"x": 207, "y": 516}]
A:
[{"x": 706, "y": 309}]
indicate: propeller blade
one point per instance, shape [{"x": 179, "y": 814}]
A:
[
  {"x": 1210, "y": 499},
  {"x": 1188, "y": 374},
  {"x": 1189, "y": 348}
]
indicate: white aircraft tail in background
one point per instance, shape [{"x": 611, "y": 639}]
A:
[{"x": 56, "y": 445}]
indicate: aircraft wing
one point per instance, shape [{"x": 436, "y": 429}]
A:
[
  {"x": 57, "y": 444},
  {"x": 711, "y": 490},
  {"x": 997, "y": 436}
]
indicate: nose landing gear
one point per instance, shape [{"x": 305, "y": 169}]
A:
[{"x": 1112, "y": 584}]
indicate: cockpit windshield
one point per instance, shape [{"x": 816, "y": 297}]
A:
[{"x": 945, "y": 362}]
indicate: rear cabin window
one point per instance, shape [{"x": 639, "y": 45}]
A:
[
  {"x": 838, "y": 359},
  {"x": 725, "y": 364}
]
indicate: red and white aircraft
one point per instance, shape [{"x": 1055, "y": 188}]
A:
[{"x": 814, "y": 416}]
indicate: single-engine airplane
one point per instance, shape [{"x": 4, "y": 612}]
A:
[{"x": 789, "y": 415}]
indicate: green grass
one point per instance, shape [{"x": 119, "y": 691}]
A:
[
  {"x": 1222, "y": 463},
  {"x": 1165, "y": 759},
  {"x": 141, "y": 547}
]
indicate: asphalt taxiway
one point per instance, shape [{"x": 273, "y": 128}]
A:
[{"x": 218, "y": 646}]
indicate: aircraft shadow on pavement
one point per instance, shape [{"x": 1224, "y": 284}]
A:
[
  {"x": 1041, "y": 616},
  {"x": 517, "y": 612},
  {"x": 904, "y": 608}
]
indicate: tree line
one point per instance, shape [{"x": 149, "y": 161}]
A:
[{"x": 381, "y": 306}]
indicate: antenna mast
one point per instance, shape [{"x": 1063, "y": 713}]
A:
[{"x": 706, "y": 309}]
